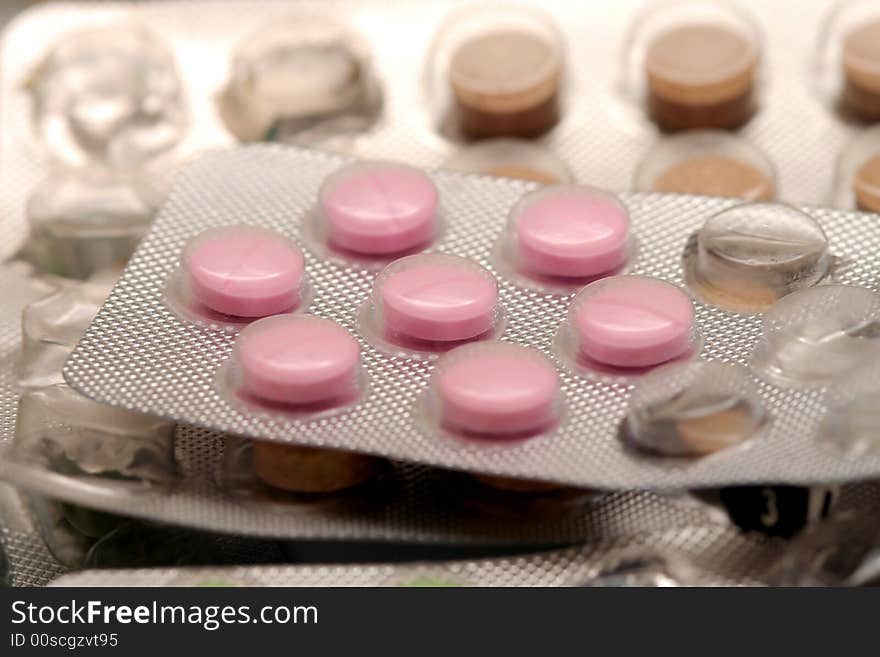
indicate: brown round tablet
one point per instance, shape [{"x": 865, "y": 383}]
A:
[
  {"x": 701, "y": 76},
  {"x": 866, "y": 185},
  {"x": 716, "y": 431},
  {"x": 311, "y": 470},
  {"x": 506, "y": 83},
  {"x": 861, "y": 69},
  {"x": 517, "y": 485},
  {"x": 523, "y": 173},
  {"x": 716, "y": 175}
]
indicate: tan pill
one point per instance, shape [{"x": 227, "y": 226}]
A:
[
  {"x": 716, "y": 431},
  {"x": 861, "y": 70},
  {"x": 716, "y": 175},
  {"x": 701, "y": 76},
  {"x": 506, "y": 83},
  {"x": 311, "y": 470},
  {"x": 866, "y": 185}
]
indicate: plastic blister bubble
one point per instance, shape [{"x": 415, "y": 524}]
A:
[
  {"x": 693, "y": 409},
  {"x": 747, "y": 257},
  {"x": 815, "y": 335},
  {"x": 852, "y": 424}
]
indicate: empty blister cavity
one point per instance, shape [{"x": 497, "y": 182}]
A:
[
  {"x": 232, "y": 275},
  {"x": 846, "y": 66},
  {"x": 425, "y": 304},
  {"x": 87, "y": 219},
  {"x": 494, "y": 390},
  {"x": 497, "y": 71},
  {"x": 63, "y": 431},
  {"x": 815, "y": 335},
  {"x": 375, "y": 211},
  {"x": 51, "y": 327},
  {"x": 108, "y": 95},
  {"x": 694, "y": 64},
  {"x": 747, "y": 257},
  {"x": 294, "y": 364},
  {"x": 709, "y": 163},
  {"x": 298, "y": 72},
  {"x": 857, "y": 175},
  {"x": 565, "y": 236},
  {"x": 625, "y": 325},
  {"x": 693, "y": 409},
  {"x": 852, "y": 422},
  {"x": 511, "y": 158}
]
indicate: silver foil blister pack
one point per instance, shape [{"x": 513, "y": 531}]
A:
[
  {"x": 139, "y": 355},
  {"x": 208, "y": 483}
]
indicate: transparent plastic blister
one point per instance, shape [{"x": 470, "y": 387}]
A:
[
  {"x": 845, "y": 58},
  {"x": 693, "y": 409},
  {"x": 693, "y": 64},
  {"x": 584, "y": 450},
  {"x": 707, "y": 162},
  {"x": 303, "y": 70},
  {"x": 747, "y": 257},
  {"x": 851, "y": 424},
  {"x": 562, "y": 237},
  {"x": 857, "y": 173},
  {"x": 496, "y": 71},
  {"x": 817, "y": 335},
  {"x": 370, "y": 213}
]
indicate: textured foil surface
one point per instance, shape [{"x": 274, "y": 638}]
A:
[{"x": 140, "y": 356}]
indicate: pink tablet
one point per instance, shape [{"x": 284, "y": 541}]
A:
[
  {"x": 245, "y": 271},
  {"x": 632, "y": 321},
  {"x": 297, "y": 359},
  {"x": 436, "y": 297},
  {"x": 496, "y": 388},
  {"x": 570, "y": 231},
  {"x": 377, "y": 208}
]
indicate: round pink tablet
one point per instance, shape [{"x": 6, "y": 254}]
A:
[
  {"x": 297, "y": 359},
  {"x": 496, "y": 388},
  {"x": 378, "y": 208},
  {"x": 245, "y": 271},
  {"x": 436, "y": 297},
  {"x": 570, "y": 231},
  {"x": 632, "y": 321}
]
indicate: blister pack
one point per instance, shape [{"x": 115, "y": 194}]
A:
[
  {"x": 57, "y": 443},
  {"x": 411, "y": 366}
]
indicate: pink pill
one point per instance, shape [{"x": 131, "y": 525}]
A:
[
  {"x": 436, "y": 297},
  {"x": 632, "y": 321},
  {"x": 297, "y": 359},
  {"x": 245, "y": 271},
  {"x": 496, "y": 388},
  {"x": 570, "y": 231},
  {"x": 378, "y": 208}
]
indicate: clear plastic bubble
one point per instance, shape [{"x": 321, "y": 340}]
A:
[
  {"x": 710, "y": 163},
  {"x": 52, "y": 326},
  {"x": 373, "y": 212},
  {"x": 693, "y": 409},
  {"x": 69, "y": 433},
  {"x": 857, "y": 173},
  {"x": 815, "y": 335},
  {"x": 747, "y": 257},
  {"x": 624, "y": 326},
  {"x": 511, "y": 158},
  {"x": 426, "y": 304},
  {"x": 296, "y": 365},
  {"x": 561, "y": 237},
  {"x": 642, "y": 567},
  {"x": 845, "y": 69},
  {"x": 85, "y": 220},
  {"x": 299, "y": 73},
  {"x": 230, "y": 276},
  {"x": 108, "y": 95},
  {"x": 494, "y": 390},
  {"x": 694, "y": 64},
  {"x": 852, "y": 422},
  {"x": 497, "y": 71}
]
